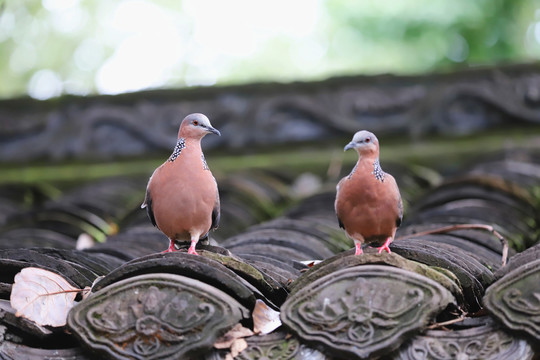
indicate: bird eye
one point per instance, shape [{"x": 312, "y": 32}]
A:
[
  {"x": 195, "y": 122},
  {"x": 367, "y": 140}
]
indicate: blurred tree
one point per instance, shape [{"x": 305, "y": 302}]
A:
[{"x": 51, "y": 47}]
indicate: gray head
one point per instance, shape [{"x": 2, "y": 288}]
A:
[
  {"x": 364, "y": 142},
  {"x": 196, "y": 126}
]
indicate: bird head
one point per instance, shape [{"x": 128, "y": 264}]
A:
[
  {"x": 196, "y": 126},
  {"x": 364, "y": 142}
]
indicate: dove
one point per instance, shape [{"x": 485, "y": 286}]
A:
[
  {"x": 368, "y": 203},
  {"x": 182, "y": 198}
]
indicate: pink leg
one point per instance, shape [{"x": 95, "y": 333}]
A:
[
  {"x": 171, "y": 247},
  {"x": 358, "y": 249},
  {"x": 385, "y": 245},
  {"x": 191, "y": 249}
]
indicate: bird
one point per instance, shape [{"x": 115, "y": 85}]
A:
[
  {"x": 368, "y": 203},
  {"x": 182, "y": 198}
]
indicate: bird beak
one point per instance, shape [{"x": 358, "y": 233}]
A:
[
  {"x": 350, "y": 145},
  {"x": 213, "y": 130}
]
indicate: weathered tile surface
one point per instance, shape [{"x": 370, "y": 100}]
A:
[
  {"x": 364, "y": 311},
  {"x": 154, "y": 316}
]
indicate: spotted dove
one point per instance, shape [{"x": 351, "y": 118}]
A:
[
  {"x": 368, "y": 203},
  {"x": 182, "y": 197}
]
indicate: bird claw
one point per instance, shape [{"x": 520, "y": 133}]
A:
[
  {"x": 171, "y": 248},
  {"x": 385, "y": 246},
  {"x": 192, "y": 251},
  {"x": 358, "y": 250}
]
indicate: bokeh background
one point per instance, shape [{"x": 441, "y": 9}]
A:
[{"x": 54, "y": 47}]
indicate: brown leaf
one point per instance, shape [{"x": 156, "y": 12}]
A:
[
  {"x": 237, "y": 347},
  {"x": 42, "y": 296},
  {"x": 237, "y": 332},
  {"x": 234, "y": 341},
  {"x": 265, "y": 319}
]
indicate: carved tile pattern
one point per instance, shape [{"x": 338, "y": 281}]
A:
[
  {"x": 153, "y": 317},
  {"x": 276, "y": 349},
  {"x": 91, "y": 128},
  {"x": 365, "y": 309},
  {"x": 486, "y": 343},
  {"x": 515, "y": 299},
  {"x": 276, "y": 345}
]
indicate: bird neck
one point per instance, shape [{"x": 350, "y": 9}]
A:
[
  {"x": 193, "y": 142},
  {"x": 378, "y": 171},
  {"x": 193, "y": 147},
  {"x": 369, "y": 158},
  {"x": 186, "y": 147},
  {"x": 178, "y": 148},
  {"x": 368, "y": 164}
]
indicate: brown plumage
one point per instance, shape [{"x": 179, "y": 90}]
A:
[
  {"x": 368, "y": 203},
  {"x": 182, "y": 197}
]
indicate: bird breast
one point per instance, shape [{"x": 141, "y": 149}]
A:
[{"x": 183, "y": 195}]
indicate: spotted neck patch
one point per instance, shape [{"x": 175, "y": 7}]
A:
[
  {"x": 180, "y": 144},
  {"x": 378, "y": 171},
  {"x": 204, "y": 164}
]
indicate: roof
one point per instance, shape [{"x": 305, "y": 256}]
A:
[
  {"x": 442, "y": 293},
  {"x": 442, "y": 288}
]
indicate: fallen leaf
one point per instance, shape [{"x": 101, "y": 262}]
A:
[
  {"x": 265, "y": 319},
  {"x": 42, "y": 296},
  {"x": 237, "y": 332},
  {"x": 234, "y": 341},
  {"x": 237, "y": 347}
]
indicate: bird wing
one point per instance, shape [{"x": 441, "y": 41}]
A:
[
  {"x": 335, "y": 204},
  {"x": 400, "y": 216},
  {"x": 395, "y": 189},
  {"x": 148, "y": 205},
  {"x": 340, "y": 223},
  {"x": 216, "y": 213}
]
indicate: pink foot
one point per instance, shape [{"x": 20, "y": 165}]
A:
[
  {"x": 171, "y": 247},
  {"x": 385, "y": 246},
  {"x": 358, "y": 249},
  {"x": 191, "y": 250}
]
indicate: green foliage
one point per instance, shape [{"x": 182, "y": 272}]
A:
[{"x": 60, "y": 46}]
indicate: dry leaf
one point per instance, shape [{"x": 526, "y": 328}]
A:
[
  {"x": 237, "y": 347},
  {"x": 42, "y": 296},
  {"x": 234, "y": 341},
  {"x": 265, "y": 319},
  {"x": 237, "y": 332}
]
